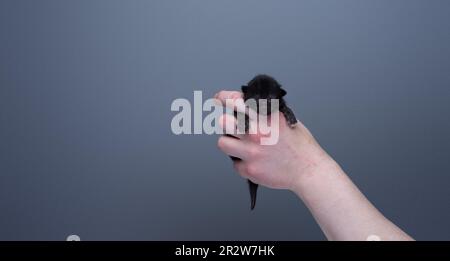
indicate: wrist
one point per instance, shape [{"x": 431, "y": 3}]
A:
[{"x": 318, "y": 169}]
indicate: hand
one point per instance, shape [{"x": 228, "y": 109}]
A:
[
  {"x": 297, "y": 162},
  {"x": 280, "y": 166}
]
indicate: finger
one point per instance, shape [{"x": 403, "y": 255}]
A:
[
  {"x": 231, "y": 99},
  {"x": 268, "y": 126},
  {"x": 240, "y": 167},
  {"x": 234, "y": 100},
  {"x": 232, "y": 147},
  {"x": 222, "y": 96},
  {"x": 229, "y": 124}
]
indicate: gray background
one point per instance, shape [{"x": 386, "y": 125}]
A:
[{"x": 85, "y": 93}]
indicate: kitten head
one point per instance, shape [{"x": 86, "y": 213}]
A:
[{"x": 263, "y": 87}]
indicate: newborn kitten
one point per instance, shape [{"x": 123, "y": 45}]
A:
[{"x": 264, "y": 87}]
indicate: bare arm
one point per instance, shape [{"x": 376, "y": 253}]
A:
[
  {"x": 298, "y": 163},
  {"x": 340, "y": 209}
]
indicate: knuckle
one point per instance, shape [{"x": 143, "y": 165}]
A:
[
  {"x": 251, "y": 170},
  {"x": 253, "y": 152},
  {"x": 240, "y": 167},
  {"x": 255, "y": 137},
  {"x": 220, "y": 96},
  {"x": 235, "y": 95}
]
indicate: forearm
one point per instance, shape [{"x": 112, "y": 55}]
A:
[
  {"x": 297, "y": 162},
  {"x": 340, "y": 209}
]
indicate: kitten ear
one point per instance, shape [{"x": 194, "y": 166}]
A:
[
  {"x": 244, "y": 88},
  {"x": 282, "y": 92}
]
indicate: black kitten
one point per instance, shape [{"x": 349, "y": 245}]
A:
[{"x": 264, "y": 87}]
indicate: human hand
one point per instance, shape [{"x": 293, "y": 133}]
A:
[{"x": 280, "y": 166}]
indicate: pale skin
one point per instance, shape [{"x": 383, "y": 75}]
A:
[{"x": 299, "y": 164}]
